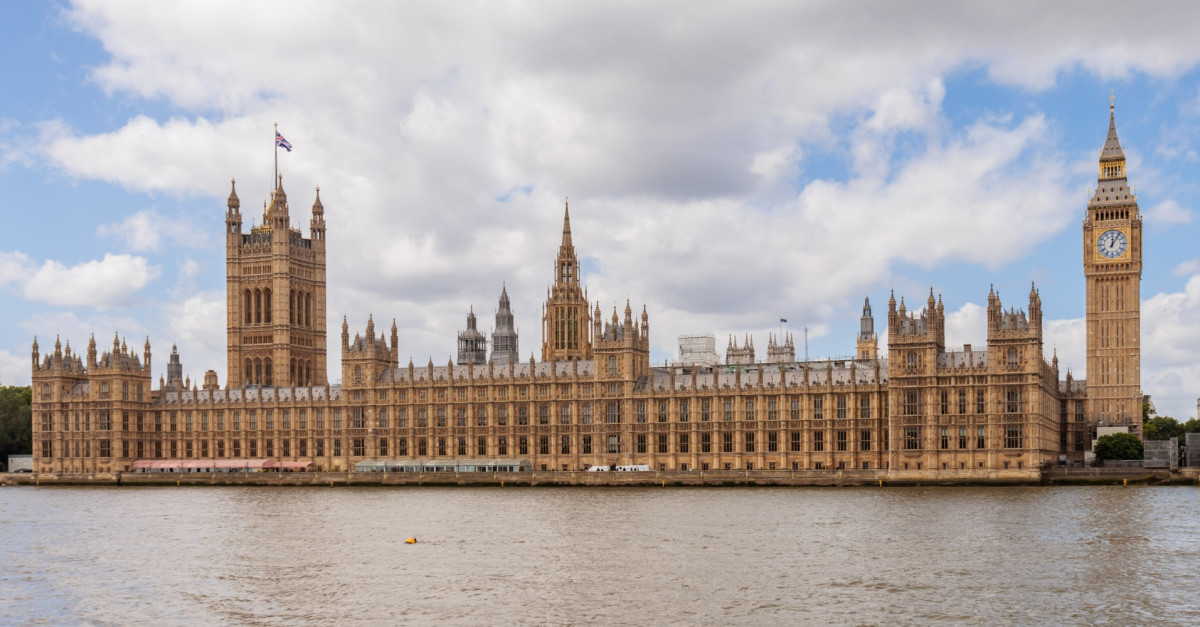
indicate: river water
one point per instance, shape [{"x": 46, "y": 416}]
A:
[{"x": 632, "y": 556}]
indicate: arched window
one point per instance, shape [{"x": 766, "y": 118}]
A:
[
  {"x": 257, "y": 371},
  {"x": 267, "y": 305},
  {"x": 292, "y": 307},
  {"x": 249, "y": 371},
  {"x": 292, "y": 372},
  {"x": 249, "y": 309},
  {"x": 267, "y": 372},
  {"x": 308, "y": 372},
  {"x": 358, "y": 374},
  {"x": 912, "y": 359},
  {"x": 257, "y": 306},
  {"x": 308, "y": 309},
  {"x": 1012, "y": 358}
]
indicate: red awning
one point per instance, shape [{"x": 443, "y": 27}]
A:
[{"x": 192, "y": 464}]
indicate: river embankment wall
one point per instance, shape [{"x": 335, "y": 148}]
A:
[{"x": 1054, "y": 476}]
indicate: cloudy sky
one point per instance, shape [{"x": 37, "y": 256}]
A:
[{"x": 727, "y": 164}]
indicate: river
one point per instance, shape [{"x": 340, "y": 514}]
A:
[{"x": 627, "y": 556}]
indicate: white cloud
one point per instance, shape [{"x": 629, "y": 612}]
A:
[
  {"x": 1068, "y": 339},
  {"x": 679, "y": 134},
  {"x": 1186, "y": 268},
  {"x": 107, "y": 283},
  {"x": 968, "y": 325},
  {"x": 14, "y": 369},
  {"x": 147, "y": 230},
  {"x": 14, "y": 267},
  {"x": 1170, "y": 344},
  {"x": 1168, "y": 212},
  {"x": 190, "y": 323}
]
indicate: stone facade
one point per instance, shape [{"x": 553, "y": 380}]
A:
[{"x": 594, "y": 398}]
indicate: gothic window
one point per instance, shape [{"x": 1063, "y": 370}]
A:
[
  {"x": 912, "y": 438},
  {"x": 1012, "y": 436},
  {"x": 292, "y": 307},
  {"x": 612, "y": 365},
  {"x": 257, "y": 306},
  {"x": 1012, "y": 358},
  {"x": 358, "y": 374},
  {"x": 267, "y": 372},
  {"x": 912, "y": 359},
  {"x": 1012, "y": 400},
  {"x": 267, "y": 305},
  {"x": 249, "y": 312}
]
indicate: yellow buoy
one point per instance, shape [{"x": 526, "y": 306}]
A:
[{"x": 411, "y": 541}]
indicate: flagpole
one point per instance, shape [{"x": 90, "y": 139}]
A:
[{"x": 275, "y": 140}]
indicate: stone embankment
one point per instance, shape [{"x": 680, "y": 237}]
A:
[{"x": 664, "y": 478}]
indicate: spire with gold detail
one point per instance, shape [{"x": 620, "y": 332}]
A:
[
  {"x": 1112, "y": 157},
  {"x": 565, "y": 321}
]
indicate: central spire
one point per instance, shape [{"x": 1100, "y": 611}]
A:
[
  {"x": 566, "y": 241},
  {"x": 1112, "y": 145}
]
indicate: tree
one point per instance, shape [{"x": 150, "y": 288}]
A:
[
  {"x": 1162, "y": 428},
  {"x": 1119, "y": 446},
  {"x": 16, "y": 424}
]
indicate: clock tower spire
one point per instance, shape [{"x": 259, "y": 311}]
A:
[{"x": 1112, "y": 268}]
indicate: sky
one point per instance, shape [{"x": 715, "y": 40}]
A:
[{"x": 728, "y": 165}]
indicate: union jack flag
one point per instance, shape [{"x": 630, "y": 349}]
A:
[{"x": 282, "y": 143}]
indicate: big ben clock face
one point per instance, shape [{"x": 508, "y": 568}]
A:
[{"x": 1112, "y": 244}]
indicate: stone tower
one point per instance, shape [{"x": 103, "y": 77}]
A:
[
  {"x": 565, "y": 319},
  {"x": 504, "y": 338},
  {"x": 1112, "y": 269},
  {"x": 868, "y": 343},
  {"x": 740, "y": 355},
  {"x": 174, "y": 369},
  {"x": 472, "y": 345},
  {"x": 275, "y": 297},
  {"x": 781, "y": 351},
  {"x": 622, "y": 348}
]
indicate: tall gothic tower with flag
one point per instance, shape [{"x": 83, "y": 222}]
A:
[
  {"x": 275, "y": 296},
  {"x": 1112, "y": 267},
  {"x": 566, "y": 320}
]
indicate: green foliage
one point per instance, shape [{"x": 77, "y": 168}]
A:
[
  {"x": 16, "y": 420},
  {"x": 1162, "y": 428},
  {"x": 1119, "y": 446},
  {"x": 1191, "y": 426}
]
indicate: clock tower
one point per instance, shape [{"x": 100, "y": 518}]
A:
[{"x": 1112, "y": 268}]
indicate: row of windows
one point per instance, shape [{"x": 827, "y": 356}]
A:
[
  {"x": 136, "y": 421},
  {"x": 258, "y": 307},
  {"x": 642, "y": 443}
]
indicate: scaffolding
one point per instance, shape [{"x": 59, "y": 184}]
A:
[{"x": 698, "y": 350}]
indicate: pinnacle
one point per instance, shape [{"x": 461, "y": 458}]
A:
[
  {"x": 1112, "y": 145},
  {"x": 566, "y": 240}
]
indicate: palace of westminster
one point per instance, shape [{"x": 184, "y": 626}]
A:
[{"x": 594, "y": 398}]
